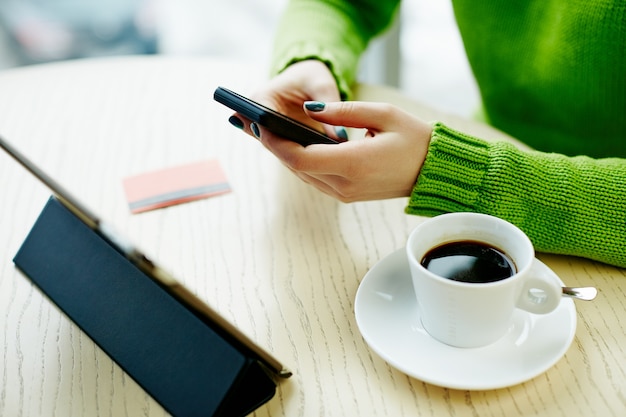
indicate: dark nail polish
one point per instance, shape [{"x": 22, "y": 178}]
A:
[
  {"x": 255, "y": 130},
  {"x": 341, "y": 132},
  {"x": 235, "y": 121},
  {"x": 314, "y": 105}
]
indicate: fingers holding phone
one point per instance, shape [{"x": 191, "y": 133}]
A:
[
  {"x": 270, "y": 119},
  {"x": 383, "y": 165}
]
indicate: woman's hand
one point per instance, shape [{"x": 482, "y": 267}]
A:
[
  {"x": 300, "y": 82},
  {"x": 384, "y": 164}
]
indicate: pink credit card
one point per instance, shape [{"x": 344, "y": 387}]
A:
[{"x": 176, "y": 185}]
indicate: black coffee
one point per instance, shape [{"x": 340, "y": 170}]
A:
[{"x": 469, "y": 261}]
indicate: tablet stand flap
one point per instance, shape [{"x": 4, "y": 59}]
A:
[{"x": 176, "y": 357}]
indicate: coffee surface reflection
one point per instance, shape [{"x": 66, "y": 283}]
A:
[{"x": 469, "y": 261}]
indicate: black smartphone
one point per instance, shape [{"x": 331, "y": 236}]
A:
[{"x": 273, "y": 121}]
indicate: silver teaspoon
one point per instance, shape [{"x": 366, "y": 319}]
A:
[{"x": 580, "y": 293}]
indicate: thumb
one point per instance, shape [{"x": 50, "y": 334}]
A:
[{"x": 334, "y": 131}]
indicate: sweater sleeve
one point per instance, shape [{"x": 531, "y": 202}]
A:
[
  {"x": 566, "y": 205},
  {"x": 335, "y": 32}
]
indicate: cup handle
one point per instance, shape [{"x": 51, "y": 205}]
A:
[{"x": 541, "y": 290}]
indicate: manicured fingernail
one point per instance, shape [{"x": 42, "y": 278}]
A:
[
  {"x": 235, "y": 121},
  {"x": 255, "y": 130},
  {"x": 341, "y": 132},
  {"x": 314, "y": 105}
]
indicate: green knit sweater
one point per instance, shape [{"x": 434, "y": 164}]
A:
[{"x": 551, "y": 73}]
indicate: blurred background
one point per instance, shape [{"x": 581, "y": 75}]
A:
[{"x": 422, "y": 54}]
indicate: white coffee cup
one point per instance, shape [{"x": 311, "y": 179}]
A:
[{"x": 465, "y": 314}]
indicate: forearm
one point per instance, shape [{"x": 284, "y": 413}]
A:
[
  {"x": 574, "y": 206},
  {"x": 333, "y": 31}
]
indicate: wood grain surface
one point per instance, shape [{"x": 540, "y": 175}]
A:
[{"x": 277, "y": 258}]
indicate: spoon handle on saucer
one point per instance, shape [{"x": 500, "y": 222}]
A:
[{"x": 580, "y": 293}]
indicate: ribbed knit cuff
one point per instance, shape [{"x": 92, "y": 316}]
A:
[
  {"x": 452, "y": 175},
  {"x": 566, "y": 205}
]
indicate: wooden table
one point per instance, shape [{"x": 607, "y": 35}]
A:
[{"x": 275, "y": 257}]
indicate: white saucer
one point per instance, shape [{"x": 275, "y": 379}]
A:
[{"x": 387, "y": 316}]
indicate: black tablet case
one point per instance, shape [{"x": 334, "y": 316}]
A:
[{"x": 176, "y": 356}]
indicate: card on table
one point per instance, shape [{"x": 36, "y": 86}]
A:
[{"x": 175, "y": 185}]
